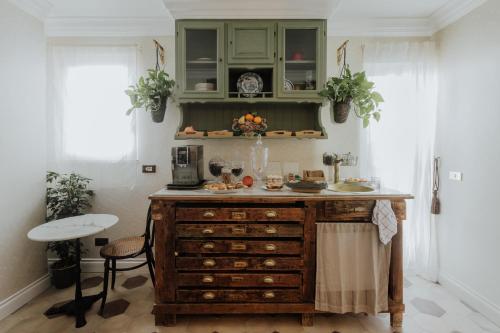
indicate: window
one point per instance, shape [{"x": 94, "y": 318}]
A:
[{"x": 89, "y": 103}]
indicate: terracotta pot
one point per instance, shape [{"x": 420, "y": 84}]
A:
[
  {"x": 341, "y": 111},
  {"x": 63, "y": 277},
  {"x": 158, "y": 113}
]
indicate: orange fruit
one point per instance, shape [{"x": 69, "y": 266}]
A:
[
  {"x": 257, "y": 120},
  {"x": 247, "y": 181},
  {"x": 249, "y": 117}
]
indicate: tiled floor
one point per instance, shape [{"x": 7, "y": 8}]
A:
[{"x": 429, "y": 309}]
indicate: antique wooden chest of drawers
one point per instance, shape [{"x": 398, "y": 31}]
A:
[{"x": 250, "y": 255}]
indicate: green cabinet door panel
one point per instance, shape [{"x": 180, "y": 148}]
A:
[
  {"x": 301, "y": 58},
  {"x": 251, "y": 42},
  {"x": 200, "y": 59}
]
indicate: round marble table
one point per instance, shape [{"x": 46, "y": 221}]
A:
[{"x": 74, "y": 228}]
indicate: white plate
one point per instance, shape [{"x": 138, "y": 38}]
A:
[
  {"x": 222, "y": 191},
  {"x": 272, "y": 189},
  {"x": 288, "y": 85},
  {"x": 250, "y": 84}
]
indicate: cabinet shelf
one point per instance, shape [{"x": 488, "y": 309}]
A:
[
  {"x": 300, "y": 62},
  {"x": 201, "y": 62}
]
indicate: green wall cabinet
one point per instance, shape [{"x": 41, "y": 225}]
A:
[
  {"x": 251, "y": 42},
  {"x": 301, "y": 59},
  {"x": 200, "y": 59}
]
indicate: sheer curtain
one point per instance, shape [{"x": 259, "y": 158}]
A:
[
  {"x": 89, "y": 132},
  {"x": 400, "y": 148}
]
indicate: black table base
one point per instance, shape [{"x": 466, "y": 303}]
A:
[{"x": 80, "y": 304}]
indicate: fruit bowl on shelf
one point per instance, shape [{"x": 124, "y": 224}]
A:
[{"x": 249, "y": 124}]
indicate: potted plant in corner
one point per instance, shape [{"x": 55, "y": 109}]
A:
[
  {"x": 352, "y": 90},
  {"x": 67, "y": 195},
  {"x": 151, "y": 93}
]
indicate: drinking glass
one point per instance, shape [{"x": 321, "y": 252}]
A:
[{"x": 237, "y": 169}]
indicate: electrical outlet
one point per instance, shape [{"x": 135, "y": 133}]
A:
[
  {"x": 455, "y": 175},
  {"x": 149, "y": 169},
  {"x": 101, "y": 241}
]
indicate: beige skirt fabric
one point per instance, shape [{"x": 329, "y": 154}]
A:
[{"x": 352, "y": 272}]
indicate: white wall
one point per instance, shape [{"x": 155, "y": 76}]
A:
[
  {"x": 468, "y": 140},
  {"x": 22, "y": 148}
]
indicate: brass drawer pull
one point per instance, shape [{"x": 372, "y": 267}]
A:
[
  {"x": 209, "y": 213},
  {"x": 238, "y": 230},
  {"x": 207, "y": 231},
  {"x": 238, "y": 215},
  {"x": 268, "y": 294},
  {"x": 269, "y": 263},
  {"x": 271, "y": 213},
  {"x": 271, "y": 230},
  {"x": 240, "y": 264},
  {"x": 207, "y": 279},
  {"x": 237, "y": 278},
  {"x": 268, "y": 279},
  {"x": 238, "y": 247},
  {"x": 208, "y": 246},
  {"x": 270, "y": 247},
  {"x": 209, "y": 263},
  {"x": 208, "y": 295}
]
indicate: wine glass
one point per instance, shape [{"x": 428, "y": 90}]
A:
[
  {"x": 215, "y": 166},
  {"x": 237, "y": 169}
]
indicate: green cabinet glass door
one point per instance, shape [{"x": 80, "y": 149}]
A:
[
  {"x": 251, "y": 42},
  {"x": 200, "y": 51},
  {"x": 301, "y": 54}
]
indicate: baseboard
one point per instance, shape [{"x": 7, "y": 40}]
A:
[
  {"x": 471, "y": 297},
  {"x": 96, "y": 265},
  {"x": 23, "y": 296}
]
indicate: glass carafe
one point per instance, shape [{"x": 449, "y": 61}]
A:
[{"x": 259, "y": 155}]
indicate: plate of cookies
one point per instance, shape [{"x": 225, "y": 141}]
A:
[
  {"x": 223, "y": 188},
  {"x": 274, "y": 183}
]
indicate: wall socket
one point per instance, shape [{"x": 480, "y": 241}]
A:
[
  {"x": 455, "y": 175},
  {"x": 148, "y": 168}
]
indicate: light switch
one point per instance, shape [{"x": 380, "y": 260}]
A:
[
  {"x": 148, "y": 168},
  {"x": 456, "y": 175}
]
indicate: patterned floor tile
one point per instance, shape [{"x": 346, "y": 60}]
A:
[
  {"x": 428, "y": 307},
  {"x": 115, "y": 308},
  {"x": 134, "y": 282},
  {"x": 91, "y": 282}
]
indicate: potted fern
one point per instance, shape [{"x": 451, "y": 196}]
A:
[
  {"x": 151, "y": 93},
  {"x": 67, "y": 195},
  {"x": 352, "y": 91}
]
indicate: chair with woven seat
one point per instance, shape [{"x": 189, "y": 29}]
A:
[{"x": 125, "y": 248}]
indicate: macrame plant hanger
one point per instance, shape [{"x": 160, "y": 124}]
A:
[
  {"x": 160, "y": 54},
  {"x": 342, "y": 57}
]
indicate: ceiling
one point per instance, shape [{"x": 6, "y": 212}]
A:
[{"x": 156, "y": 17}]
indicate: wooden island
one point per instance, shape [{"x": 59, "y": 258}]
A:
[{"x": 254, "y": 251}]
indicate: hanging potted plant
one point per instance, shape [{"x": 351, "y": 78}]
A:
[
  {"x": 151, "y": 93},
  {"x": 352, "y": 91},
  {"x": 67, "y": 195}
]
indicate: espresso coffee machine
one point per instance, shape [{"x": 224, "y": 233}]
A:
[{"x": 187, "y": 165}]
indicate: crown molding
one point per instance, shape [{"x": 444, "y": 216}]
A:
[
  {"x": 380, "y": 27},
  {"x": 109, "y": 26},
  {"x": 451, "y": 12},
  {"x": 37, "y": 8}
]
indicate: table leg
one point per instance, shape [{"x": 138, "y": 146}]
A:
[{"x": 80, "y": 304}]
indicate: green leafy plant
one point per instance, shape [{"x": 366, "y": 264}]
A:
[
  {"x": 356, "y": 90},
  {"x": 149, "y": 91},
  {"x": 67, "y": 195}
]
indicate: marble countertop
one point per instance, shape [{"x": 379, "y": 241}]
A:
[
  {"x": 258, "y": 192},
  {"x": 72, "y": 227}
]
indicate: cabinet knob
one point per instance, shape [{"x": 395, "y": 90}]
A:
[
  {"x": 269, "y": 263},
  {"x": 220, "y": 59},
  {"x": 209, "y": 263},
  {"x": 208, "y": 246},
  {"x": 270, "y": 247},
  {"x": 269, "y": 294},
  {"x": 207, "y": 231},
  {"x": 209, "y": 213},
  {"x": 207, "y": 279},
  {"x": 271, "y": 230},
  {"x": 208, "y": 295},
  {"x": 268, "y": 279},
  {"x": 271, "y": 213}
]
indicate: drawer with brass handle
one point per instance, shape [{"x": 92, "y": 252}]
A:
[
  {"x": 239, "y": 280},
  {"x": 238, "y": 295},
  {"x": 355, "y": 210},
  {"x": 239, "y": 263},
  {"x": 190, "y": 246},
  {"x": 239, "y": 214},
  {"x": 192, "y": 230}
]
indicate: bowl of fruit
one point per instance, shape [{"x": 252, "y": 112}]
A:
[{"x": 250, "y": 124}]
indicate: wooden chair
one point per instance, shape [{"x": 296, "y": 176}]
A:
[{"x": 124, "y": 248}]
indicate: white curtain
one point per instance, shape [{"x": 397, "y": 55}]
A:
[
  {"x": 89, "y": 131},
  {"x": 400, "y": 148}
]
